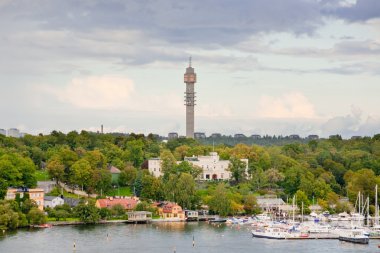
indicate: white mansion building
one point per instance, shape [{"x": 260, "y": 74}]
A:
[{"x": 212, "y": 167}]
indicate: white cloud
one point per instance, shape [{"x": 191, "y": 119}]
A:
[
  {"x": 289, "y": 105},
  {"x": 97, "y": 92}
]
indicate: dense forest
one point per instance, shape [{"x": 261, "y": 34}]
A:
[{"x": 319, "y": 171}]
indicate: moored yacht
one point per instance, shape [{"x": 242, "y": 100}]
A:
[
  {"x": 354, "y": 235},
  {"x": 271, "y": 233}
]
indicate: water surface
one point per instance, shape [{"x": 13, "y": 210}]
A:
[{"x": 163, "y": 237}]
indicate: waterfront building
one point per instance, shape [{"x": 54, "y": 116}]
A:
[
  {"x": 129, "y": 203},
  {"x": 171, "y": 211},
  {"x": 213, "y": 168},
  {"x": 139, "y": 216},
  {"x": 53, "y": 201},
  {"x": 13, "y": 132},
  {"x": 3, "y": 132},
  {"x": 269, "y": 203},
  {"x": 34, "y": 194}
]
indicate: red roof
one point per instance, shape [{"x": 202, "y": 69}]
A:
[
  {"x": 168, "y": 208},
  {"x": 114, "y": 170},
  {"x": 128, "y": 203}
]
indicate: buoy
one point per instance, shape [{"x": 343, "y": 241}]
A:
[
  {"x": 74, "y": 247},
  {"x": 193, "y": 241}
]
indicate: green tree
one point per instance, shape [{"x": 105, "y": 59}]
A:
[
  {"x": 302, "y": 200},
  {"x": 168, "y": 163},
  {"x": 135, "y": 152},
  {"x": 127, "y": 176},
  {"x": 186, "y": 167},
  {"x": 258, "y": 179},
  {"x": 105, "y": 213},
  {"x": 118, "y": 210},
  {"x": 81, "y": 173},
  {"x": 36, "y": 216},
  {"x": 27, "y": 204},
  {"x": 56, "y": 169},
  {"x": 61, "y": 214},
  {"x": 274, "y": 177},
  {"x": 219, "y": 201},
  {"x": 237, "y": 169},
  {"x": 9, "y": 219},
  {"x": 363, "y": 181},
  {"x": 87, "y": 212},
  {"x": 151, "y": 188},
  {"x": 185, "y": 193},
  {"x": 137, "y": 185},
  {"x": 250, "y": 204}
]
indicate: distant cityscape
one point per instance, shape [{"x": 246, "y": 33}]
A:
[
  {"x": 202, "y": 136},
  {"x": 12, "y": 132}
]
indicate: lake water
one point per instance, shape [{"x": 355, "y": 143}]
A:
[{"x": 163, "y": 237}]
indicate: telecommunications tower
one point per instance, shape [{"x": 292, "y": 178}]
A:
[{"x": 190, "y": 79}]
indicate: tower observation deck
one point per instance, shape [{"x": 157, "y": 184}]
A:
[{"x": 190, "y": 79}]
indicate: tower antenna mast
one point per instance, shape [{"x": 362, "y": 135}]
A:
[{"x": 190, "y": 78}]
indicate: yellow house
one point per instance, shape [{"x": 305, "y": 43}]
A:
[
  {"x": 34, "y": 194},
  {"x": 172, "y": 211}
]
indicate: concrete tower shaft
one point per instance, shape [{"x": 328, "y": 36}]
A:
[{"x": 190, "y": 79}]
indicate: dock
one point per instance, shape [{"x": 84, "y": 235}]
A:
[
  {"x": 139, "y": 217},
  {"x": 316, "y": 237}
]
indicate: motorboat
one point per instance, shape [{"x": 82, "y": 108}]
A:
[
  {"x": 263, "y": 217},
  {"x": 271, "y": 233},
  {"x": 354, "y": 236},
  {"x": 46, "y": 225}
]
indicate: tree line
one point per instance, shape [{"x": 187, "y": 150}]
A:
[{"x": 319, "y": 171}]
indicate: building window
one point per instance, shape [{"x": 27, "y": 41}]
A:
[{"x": 207, "y": 176}]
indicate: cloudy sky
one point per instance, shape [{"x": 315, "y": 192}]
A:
[{"x": 263, "y": 66}]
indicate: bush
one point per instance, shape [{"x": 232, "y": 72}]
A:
[{"x": 36, "y": 216}]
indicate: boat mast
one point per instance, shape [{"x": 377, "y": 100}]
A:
[
  {"x": 367, "y": 211},
  {"x": 376, "y": 207},
  {"x": 294, "y": 199}
]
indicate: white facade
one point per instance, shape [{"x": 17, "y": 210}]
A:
[
  {"x": 50, "y": 201},
  {"x": 154, "y": 167},
  {"x": 212, "y": 167},
  {"x": 3, "y": 132},
  {"x": 14, "y": 132}
]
